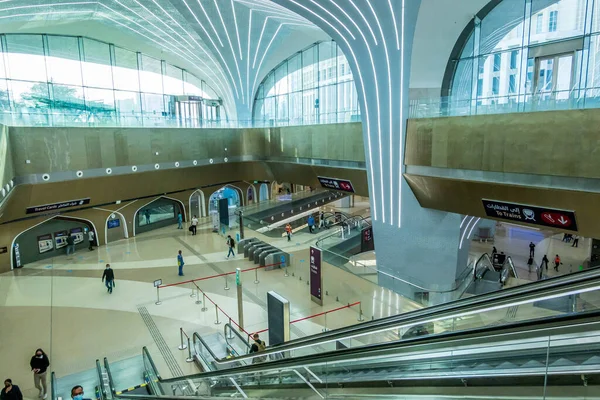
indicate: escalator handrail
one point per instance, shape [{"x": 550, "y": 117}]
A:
[
  {"x": 206, "y": 346},
  {"x": 53, "y": 385},
  {"x": 239, "y": 335},
  {"x": 485, "y": 334},
  {"x": 564, "y": 282},
  {"x": 100, "y": 380},
  {"x": 490, "y": 267},
  {"x": 146, "y": 353},
  {"x": 110, "y": 378}
]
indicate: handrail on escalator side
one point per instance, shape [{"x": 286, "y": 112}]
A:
[
  {"x": 146, "y": 353},
  {"x": 434, "y": 311},
  {"x": 484, "y": 256},
  {"x": 212, "y": 354},
  {"x": 231, "y": 329},
  {"x": 53, "y": 385},
  {"x": 99, "y": 371},
  {"x": 520, "y": 328},
  {"x": 110, "y": 378}
]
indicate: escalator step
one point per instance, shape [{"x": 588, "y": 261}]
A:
[
  {"x": 561, "y": 362},
  {"x": 532, "y": 364}
]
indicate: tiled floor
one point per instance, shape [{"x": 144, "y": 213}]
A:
[{"x": 62, "y": 306}]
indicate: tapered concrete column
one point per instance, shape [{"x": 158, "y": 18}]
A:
[{"x": 418, "y": 245}]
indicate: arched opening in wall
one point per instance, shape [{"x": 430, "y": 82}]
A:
[
  {"x": 49, "y": 239},
  {"x": 278, "y": 189},
  {"x": 537, "y": 58},
  {"x": 233, "y": 194},
  {"x": 263, "y": 192},
  {"x": 158, "y": 213},
  {"x": 197, "y": 204},
  {"x": 251, "y": 195},
  {"x": 116, "y": 228}
]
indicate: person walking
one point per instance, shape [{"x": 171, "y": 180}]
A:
[
  {"x": 10, "y": 391},
  {"x": 544, "y": 261},
  {"x": 575, "y": 241},
  {"x": 311, "y": 223},
  {"x": 147, "y": 215},
  {"x": 494, "y": 251},
  {"x": 194, "y": 225},
  {"x": 91, "y": 239},
  {"x": 39, "y": 365},
  {"x": 180, "y": 263},
  {"x": 231, "y": 244},
  {"x": 70, "y": 245},
  {"x": 556, "y": 262},
  {"x": 109, "y": 278},
  {"x": 530, "y": 263},
  {"x": 288, "y": 231},
  {"x": 321, "y": 219},
  {"x": 179, "y": 221},
  {"x": 531, "y": 249}
]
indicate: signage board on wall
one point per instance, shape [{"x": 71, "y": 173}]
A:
[
  {"x": 113, "y": 223},
  {"x": 542, "y": 216},
  {"x": 336, "y": 184},
  {"x": 278, "y": 318},
  {"x": 366, "y": 241},
  {"x": 57, "y": 206},
  {"x": 316, "y": 279}
]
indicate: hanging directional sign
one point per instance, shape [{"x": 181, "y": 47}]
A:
[
  {"x": 543, "y": 216},
  {"x": 336, "y": 184}
]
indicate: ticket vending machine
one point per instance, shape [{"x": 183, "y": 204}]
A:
[
  {"x": 45, "y": 243},
  {"x": 60, "y": 239},
  {"x": 77, "y": 234}
]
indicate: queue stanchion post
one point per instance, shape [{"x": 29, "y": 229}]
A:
[
  {"x": 203, "y": 302},
  {"x": 182, "y": 346},
  {"x": 198, "y": 296},
  {"x": 230, "y": 335},
  {"x": 189, "y": 358},
  {"x": 226, "y": 282},
  {"x": 217, "y": 322},
  {"x": 256, "y": 281},
  {"x": 157, "y": 284},
  {"x": 361, "y": 318},
  {"x": 192, "y": 294}
]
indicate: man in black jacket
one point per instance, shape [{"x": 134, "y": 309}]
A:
[{"x": 109, "y": 275}]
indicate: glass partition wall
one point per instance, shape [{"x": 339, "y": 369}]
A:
[
  {"x": 63, "y": 80},
  {"x": 314, "y": 86},
  {"x": 527, "y": 55}
]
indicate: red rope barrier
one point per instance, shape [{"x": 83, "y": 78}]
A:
[
  {"x": 215, "y": 276},
  {"x": 323, "y": 313}
]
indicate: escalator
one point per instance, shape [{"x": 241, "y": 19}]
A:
[{"x": 499, "y": 339}]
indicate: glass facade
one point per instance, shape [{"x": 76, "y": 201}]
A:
[
  {"x": 45, "y": 77},
  {"x": 530, "y": 55},
  {"x": 311, "y": 87}
]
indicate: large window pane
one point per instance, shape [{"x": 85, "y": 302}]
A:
[
  {"x": 173, "y": 80},
  {"x": 63, "y": 61},
  {"x": 282, "y": 107},
  {"x": 29, "y": 94},
  {"x": 564, "y": 18},
  {"x": 295, "y": 73},
  {"x": 153, "y": 104},
  {"x": 269, "y": 85},
  {"x": 97, "y": 71},
  {"x": 67, "y": 99},
  {"x": 192, "y": 85},
  {"x": 310, "y": 69},
  {"x": 281, "y": 79},
  {"x": 25, "y": 56},
  {"x": 128, "y": 103},
  {"x": 99, "y": 99},
  {"x": 151, "y": 75},
  {"x": 125, "y": 72}
]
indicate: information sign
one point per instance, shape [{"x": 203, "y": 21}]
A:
[{"x": 542, "y": 216}]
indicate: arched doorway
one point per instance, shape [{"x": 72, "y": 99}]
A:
[
  {"x": 116, "y": 228},
  {"x": 263, "y": 192},
  {"x": 197, "y": 204},
  {"x": 232, "y": 193},
  {"x": 158, "y": 213},
  {"x": 251, "y": 195}
]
